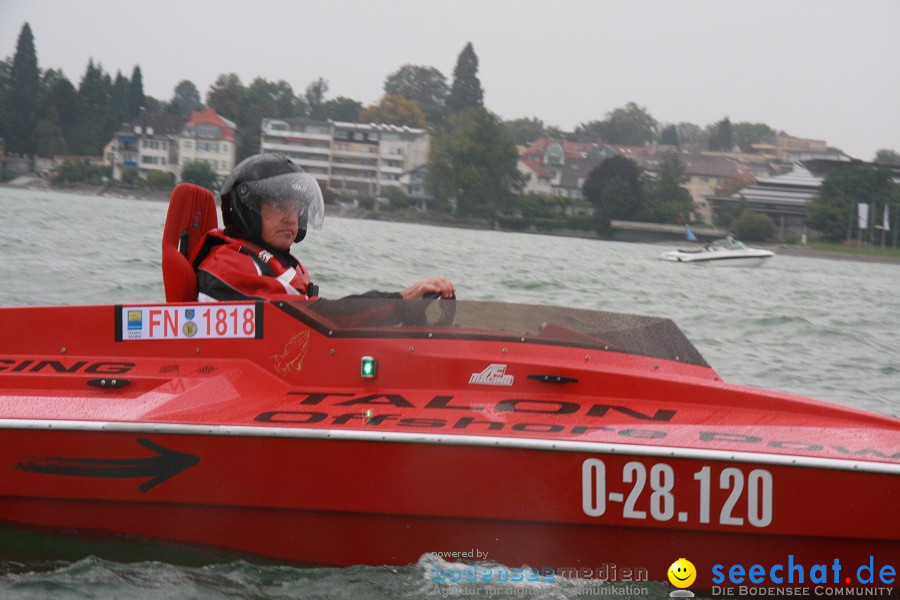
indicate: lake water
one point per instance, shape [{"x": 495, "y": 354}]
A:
[{"x": 820, "y": 328}]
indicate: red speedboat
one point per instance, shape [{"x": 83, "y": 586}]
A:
[{"x": 374, "y": 431}]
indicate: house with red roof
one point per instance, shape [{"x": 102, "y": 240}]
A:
[
  {"x": 162, "y": 142},
  {"x": 705, "y": 175},
  {"x": 208, "y": 137},
  {"x": 557, "y": 167}
]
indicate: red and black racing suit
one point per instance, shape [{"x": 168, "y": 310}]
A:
[{"x": 229, "y": 268}]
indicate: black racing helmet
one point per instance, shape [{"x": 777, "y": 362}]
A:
[{"x": 269, "y": 178}]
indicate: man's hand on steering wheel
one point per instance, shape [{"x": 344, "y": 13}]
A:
[
  {"x": 438, "y": 285},
  {"x": 421, "y": 295}
]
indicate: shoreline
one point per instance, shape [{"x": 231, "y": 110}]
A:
[
  {"x": 342, "y": 211},
  {"x": 829, "y": 255}
]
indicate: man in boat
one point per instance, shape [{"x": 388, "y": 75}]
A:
[{"x": 268, "y": 204}]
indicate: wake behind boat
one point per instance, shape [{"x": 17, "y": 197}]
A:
[{"x": 720, "y": 253}]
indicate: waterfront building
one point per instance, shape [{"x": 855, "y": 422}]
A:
[
  {"x": 207, "y": 137},
  {"x": 161, "y": 142},
  {"x": 148, "y": 143},
  {"x": 557, "y": 167},
  {"x": 351, "y": 159},
  {"x": 783, "y": 198}
]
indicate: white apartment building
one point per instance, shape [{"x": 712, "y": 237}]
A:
[
  {"x": 149, "y": 143},
  {"x": 356, "y": 159},
  {"x": 160, "y": 142}
]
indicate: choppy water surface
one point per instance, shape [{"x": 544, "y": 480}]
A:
[{"x": 820, "y": 328}]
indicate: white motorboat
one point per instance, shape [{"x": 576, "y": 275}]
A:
[{"x": 721, "y": 253}]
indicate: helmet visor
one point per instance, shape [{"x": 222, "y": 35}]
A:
[{"x": 296, "y": 192}]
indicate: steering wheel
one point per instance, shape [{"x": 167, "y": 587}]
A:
[{"x": 418, "y": 313}]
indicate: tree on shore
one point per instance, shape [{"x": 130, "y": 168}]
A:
[
  {"x": 747, "y": 134},
  {"x": 466, "y": 92},
  {"x": 200, "y": 173},
  {"x": 20, "y": 118},
  {"x": 669, "y": 136},
  {"x": 473, "y": 164},
  {"x": 525, "y": 130},
  {"x": 262, "y": 99},
  {"x": 42, "y": 113},
  {"x": 225, "y": 96},
  {"x": 752, "y": 226},
  {"x": 886, "y": 155},
  {"x": 185, "y": 99},
  {"x": 54, "y": 131},
  {"x": 722, "y": 137},
  {"x": 342, "y": 109},
  {"x": 92, "y": 108},
  {"x": 426, "y": 86},
  {"x": 690, "y": 134},
  {"x": 118, "y": 102},
  {"x": 247, "y": 106},
  {"x": 135, "y": 93},
  {"x": 630, "y": 125},
  {"x": 395, "y": 109},
  {"x": 315, "y": 97},
  {"x": 666, "y": 201},
  {"x": 614, "y": 188},
  {"x": 833, "y": 211}
]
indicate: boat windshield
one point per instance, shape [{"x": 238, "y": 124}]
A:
[
  {"x": 726, "y": 245},
  {"x": 461, "y": 319}
]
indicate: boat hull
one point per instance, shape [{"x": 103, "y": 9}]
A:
[
  {"x": 554, "y": 450},
  {"x": 344, "y": 498},
  {"x": 744, "y": 261},
  {"x": 720, "y": 258},
  {"x": 719, "y": 254}
]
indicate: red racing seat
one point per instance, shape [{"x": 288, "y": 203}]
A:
[{"x": 192, "y": 212}]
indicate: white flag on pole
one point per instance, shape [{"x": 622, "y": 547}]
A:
[
  {"x": 863, "y": 213},
  {"x": 886, "y": 221}
]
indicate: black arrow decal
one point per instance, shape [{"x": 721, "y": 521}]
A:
[{"x": 166, "y": 464}]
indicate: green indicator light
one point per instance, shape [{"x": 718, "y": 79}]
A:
[{"x": 368, "y": 367}]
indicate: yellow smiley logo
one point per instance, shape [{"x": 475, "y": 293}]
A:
[{"x": 682, "y": 573}]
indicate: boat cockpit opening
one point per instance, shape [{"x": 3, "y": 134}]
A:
[{"x": 388, "y": 317}]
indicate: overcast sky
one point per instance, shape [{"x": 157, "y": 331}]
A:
[{"x": 822, "y": 69}]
